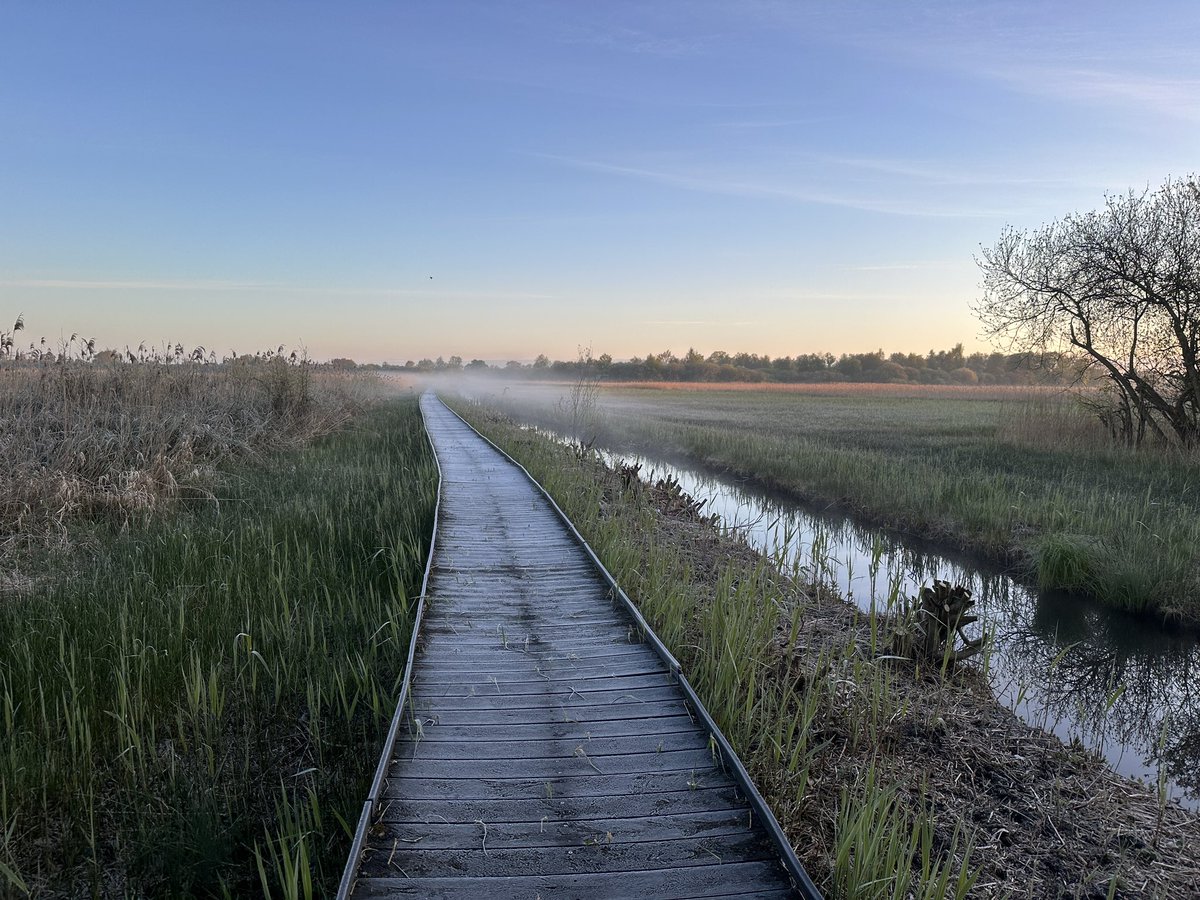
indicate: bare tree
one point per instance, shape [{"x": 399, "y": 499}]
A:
[{"x": 1121, "y": 285}]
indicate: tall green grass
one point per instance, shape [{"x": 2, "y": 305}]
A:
[
  {"x": 800, "y": 726},
  {"x": 1022, "y": 481},
  {"x": 198, "y": 713}
]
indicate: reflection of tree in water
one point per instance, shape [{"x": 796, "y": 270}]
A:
[{"x": 1115, "y": 682}]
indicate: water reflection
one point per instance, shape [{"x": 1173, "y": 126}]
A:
[{"x": 1108, "y": 680}]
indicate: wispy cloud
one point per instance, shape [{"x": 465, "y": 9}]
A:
[
  {"x": 944, "y": 174},
  {"x": 241, "y": 287},
  {"x": 135, "y": 285},
  {"x": 1177, "y": 98},
  {"x": 1116, "y": 57},
  {"x": 803, "y": 296},
  {"x": 697, "y": 323},
  {"x": 733, "y": 184},
  {"x": 638, "y": 41}
]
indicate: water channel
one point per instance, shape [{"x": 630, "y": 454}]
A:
[{"x": 1119, "y": 685}]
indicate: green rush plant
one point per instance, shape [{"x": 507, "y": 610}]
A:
[
  {"x": 190, "y": 714},
  {"x": 735, "y": 632},
  {"x": 1019, "y": 479}
]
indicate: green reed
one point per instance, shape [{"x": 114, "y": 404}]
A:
[
  {"x": 1022, "y": 481},
  {"x": 190, "y": 713},
  {"x": 738, "y": 639}
]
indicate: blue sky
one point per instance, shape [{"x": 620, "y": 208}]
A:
[{"x": 773, "y": 177}]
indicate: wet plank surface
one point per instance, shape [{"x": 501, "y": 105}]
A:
[{"x": 549, "y": 752}]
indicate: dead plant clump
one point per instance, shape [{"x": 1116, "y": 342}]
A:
[
  {"x": 88, "y": 440},
  {"x": 666, "y": 495},
  {"x": 1046, "y": 820}
]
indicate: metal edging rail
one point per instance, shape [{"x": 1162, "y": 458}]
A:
[
  {"x": 787, "y": 853},
  {"x": 346, "y": 885}
]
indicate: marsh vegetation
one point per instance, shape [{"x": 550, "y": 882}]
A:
[
  {"x": 211, "y": 569},
  {"x": 1023, "y": 477},
  {"x": 892, "y": 779},
  {"x": 204, "y": 635},
  {"x": 1116, "y": 683}
]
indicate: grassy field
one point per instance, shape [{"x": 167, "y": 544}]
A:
[
  {"x": 891, "y": 780},
  {"x": 1021, "y": 476},
  {"x": 194, "y": 707}
]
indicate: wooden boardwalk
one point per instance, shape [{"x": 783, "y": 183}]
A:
[{"x": 549, "y": 749}]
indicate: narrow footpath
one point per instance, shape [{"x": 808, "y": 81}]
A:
[{"x": 548, "y": 749}]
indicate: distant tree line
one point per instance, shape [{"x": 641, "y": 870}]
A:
[{"x": 952, "y": 366}]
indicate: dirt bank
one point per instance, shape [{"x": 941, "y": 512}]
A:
[{"x": 1047, "y": 820}]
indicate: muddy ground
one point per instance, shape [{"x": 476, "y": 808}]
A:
[{"x": 1047, "y": 820}]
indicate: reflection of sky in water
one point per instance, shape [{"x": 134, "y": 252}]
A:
[{"x": 1115, "y": 683}]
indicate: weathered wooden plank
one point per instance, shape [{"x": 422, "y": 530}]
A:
[
  {"x": 430, "y": 699},
  {"x": 569, "y": 568},
  {"x": 547, "y": 751},
  {"x": 570, "y": 830},
  {"x": 536, "y": 809},
  {"x": 488, "y": 620},
  {"x": 508, "y": 653},
  {"x": 597, "y": 748},
  {"x": 590, "y": 653},
  {"x": 599, "y": 855},
  {"x": 541, "y": 686},
  {"x": 575, "y": 761},
  {"x": 748, "y": 880},
  {"x": 488, "y": 625},
  {"x": 523, "y": 639},
  {"x": 680, "y": 882},
  {"x": 659, "y": 725},
  {"x": 455, "y": 666},
  {"x": 462, "y": 588},
  {"x": 442, "y": 668},
  {"x": 558, "y": 712},
  {"x": 557, "y": 888},
  {"x": 400, "y": 786},
  {"x": 568, "y": 676}
]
